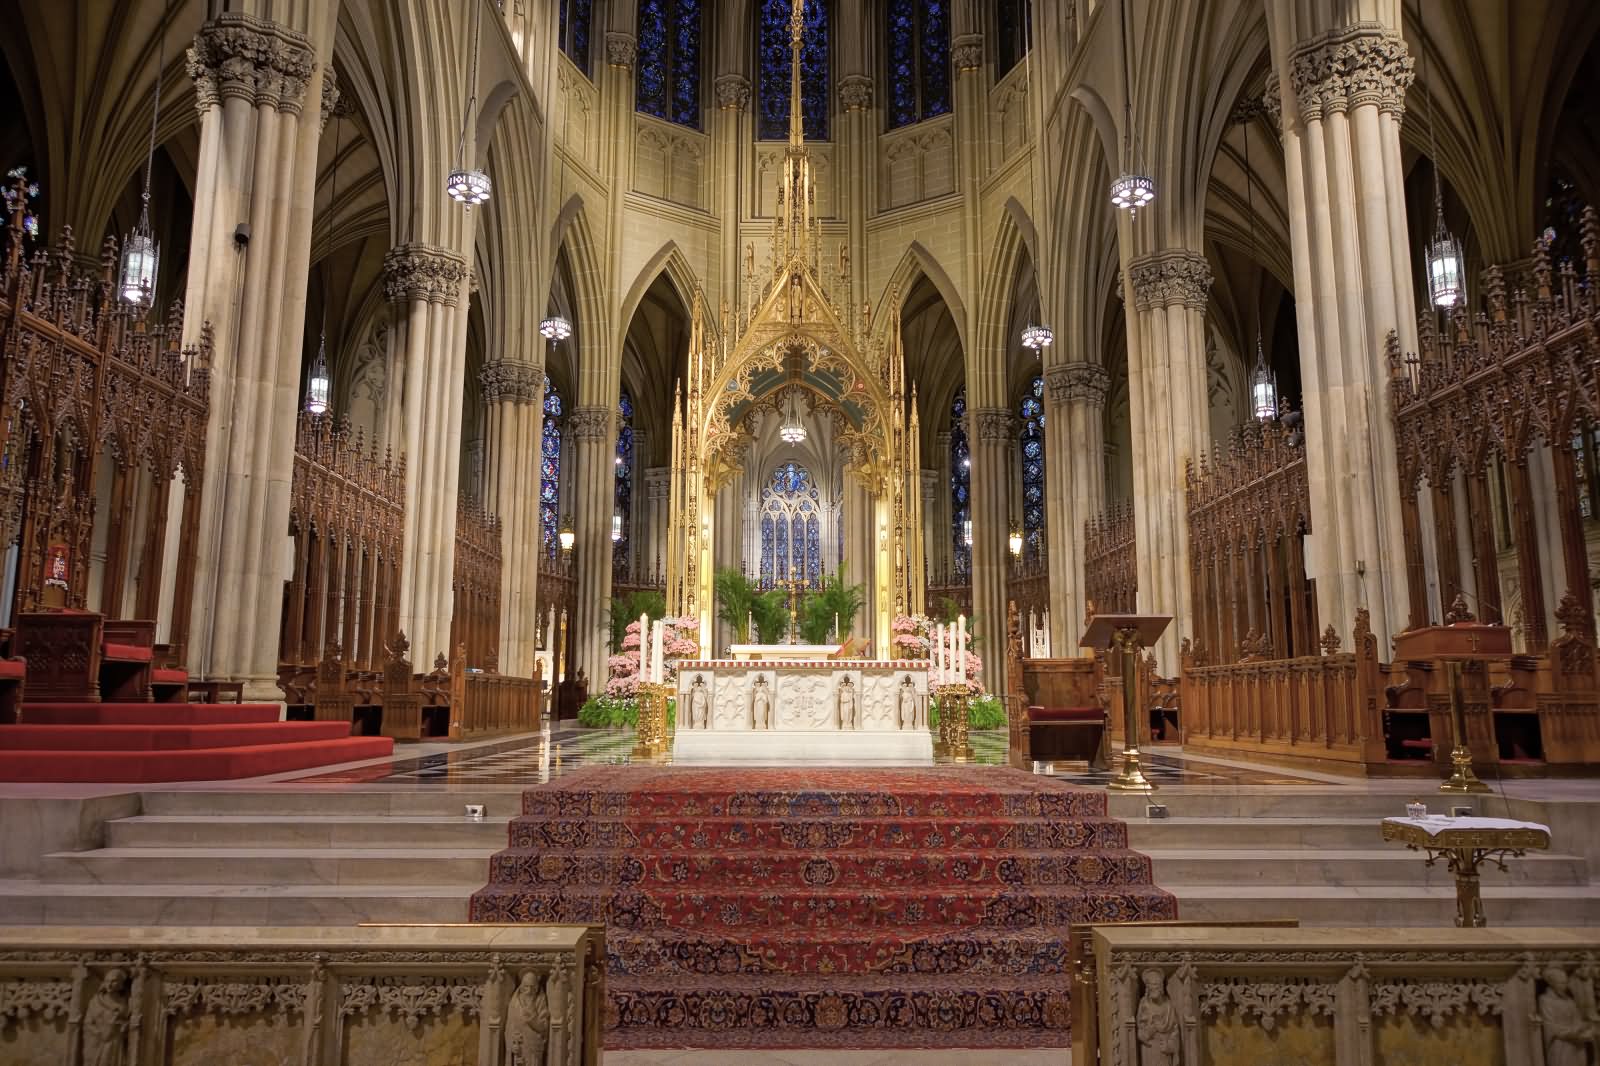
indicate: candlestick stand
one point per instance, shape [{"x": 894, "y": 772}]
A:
[
  {"x": 650, "y": 736},
  {"x": 953, "y": 734}
]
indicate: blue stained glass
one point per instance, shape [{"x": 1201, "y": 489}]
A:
[
  {"x": 1032, "y": 453},
  {"x": 960, "y": 484},
  {"x": 773, "y": 47},
  {"x": 550, "y": 468}
]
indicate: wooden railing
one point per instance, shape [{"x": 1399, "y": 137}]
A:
[
  {"x": 475, "y": 622},
  {"x": 1110, "y": 564}
]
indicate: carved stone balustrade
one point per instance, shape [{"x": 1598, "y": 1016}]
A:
[{"x": 490, "y": 995}]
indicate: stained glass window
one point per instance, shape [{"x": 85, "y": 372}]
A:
[
  {"x": 1011, "y": 36},
  {"x": 575, "y": 19},
  {"x": 550, "y": 469},
  {"x": 791, "y": 531},
  {"x": 773, "y": 43},
  {"x": 623, "y": 501},
  {"x": 960, "y": 484},
  {"x": 1031, "y": 448},
  {"x": 669, "y": 60},
  {"x": 919, "y": 60}
]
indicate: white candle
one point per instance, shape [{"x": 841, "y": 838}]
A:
[
  {"x": 961, "y": 649},
  {"x": 644, "y": 649}
]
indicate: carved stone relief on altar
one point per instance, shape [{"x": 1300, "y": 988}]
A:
[
  {"x": 410, "y": 1022},
  {"x": 33, "y": 1022}
]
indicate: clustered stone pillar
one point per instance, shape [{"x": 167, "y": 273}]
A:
[
  {"x": 428, "y": 286},
  {"x": 992, "y": 452},
  {"x": 513, "y": 393},
  {"x": 1341, "y": 97},
  {"x": 1171, "y": 417},
  {"x": 1075, "y": 485},
  {"x": 257, "y": 165},
  {"x": 594, "y": 472}
]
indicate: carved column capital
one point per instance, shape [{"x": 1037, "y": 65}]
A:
[
  {"x": 967, "y": 52},
  {"x": 423, "y": 272},
  {"x": 1366, "y": 63},
  {"x": 733, "y": 92},
  {"x": 240, "y": 56},
  {"x": 1086, "y": 383},
  {"x": 855, "y": 92},
  {"x": 589, "y": 423},
  {"x": 621, "y": 50},
  {"x": 995, "y": 424},
  {"x": 512, "y": 381},
  {"x": 1177, "y": 277}
]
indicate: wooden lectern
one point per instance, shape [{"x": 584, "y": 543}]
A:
[
  {"x": 1130, "y": 634},
  {"x": 1454, "y": 644}
]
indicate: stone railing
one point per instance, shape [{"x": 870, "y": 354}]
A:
[
  {"x": 371, "y": 996},
  {"x": 1338, "y": 997}
]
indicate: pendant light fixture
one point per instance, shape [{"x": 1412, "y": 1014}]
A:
[
  {"x": 1446, "y": 286},
  {"x": 319, "y": 390},
  {"x": 1132, "y": 190},
  {"x": 469, "y": 186},
  {"x": 1263, "y": 383},
  {"x": 141, "y": 255},
  {"x": 1036, "y": 336}
]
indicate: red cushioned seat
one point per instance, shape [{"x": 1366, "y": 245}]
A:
[
  {"x": 169, "y": 677},
  {"x": 127, "y": 653},
  {"x": 1066, "y": 714},
  {"x": 13, "y": 669}
]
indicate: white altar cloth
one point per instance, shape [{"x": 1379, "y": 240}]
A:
[{"x": 774, "y": 712}]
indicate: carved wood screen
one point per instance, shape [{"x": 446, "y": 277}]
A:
[
  {"x": 1249, "y": 509},
  {"x": 475, "y": 622},
  {"x": 347, "y": 517},
  {"x": 88, "y": 381},
  {"x": 1110, "y": 566},
  {"x": 1474, "y": 412}
]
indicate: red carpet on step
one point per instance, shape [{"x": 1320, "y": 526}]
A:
[
  {"x": 772, "y": 908},
  {"x": 116, "y": 743}
]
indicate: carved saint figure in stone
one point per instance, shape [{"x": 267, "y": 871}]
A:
[
  {"x": 105, "y": 1022},
  {"x": 699, "y": 704},
  {"x": 527, "y": 1022},
  {"x": 761, "y": 705},
  {"x": 1567, "y": 1036},
  {"x": 908, "y": 704},
  {"x": 849, "y": 710},
  {"x": 1156, "y": 1023}
]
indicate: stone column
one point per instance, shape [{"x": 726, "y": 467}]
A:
[
  {"x": 1074, "y": 485},
  {"x": 513, "y": 393},
  {"x": 256, "y": 165},
  {"x": 427, "y": 285},
  {"x": 594, "y": 445},
  {"x": 992, "y": 445},
  {"x": 1171, "y": 427},
  {"x": 1340, "y": 94}
]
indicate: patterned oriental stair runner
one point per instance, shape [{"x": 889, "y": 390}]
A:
[{"x": 772, "y": 908}]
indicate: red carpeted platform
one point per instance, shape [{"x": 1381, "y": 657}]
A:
[
  {"x": 824, "y": 907},
  {"x": 149, "y": 742}
]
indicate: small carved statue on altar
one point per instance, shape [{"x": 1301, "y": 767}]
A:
[
  {"x": 849, "y": 710},
  {"x": 908, "y": 704},
  {"x": 1156, "y": 1023},
  {"x": 1567, "y": 1036},
  {"x": 105, "y": 1022},
  {"x": 527, "y": 1022},
  {"x": 699, "y": 704},
  {"x": 761, "y": 705}
]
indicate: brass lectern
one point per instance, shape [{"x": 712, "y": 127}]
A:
[{"x": 1129, "y": 634}]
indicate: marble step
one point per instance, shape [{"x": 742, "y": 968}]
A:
[
  {"x": 1386, "y": 905},
  {"x": 355, "y": 831},
  {"x": 1307, "y": 832},
  {"x": 89, "y": 903},
  {"x": 285, "y": 804},
  {"x": 1317, "y": 866},
  {"x": 270, "y": 866}
]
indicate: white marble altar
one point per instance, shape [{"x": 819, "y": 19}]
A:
[{"x": 802, "y": 710}]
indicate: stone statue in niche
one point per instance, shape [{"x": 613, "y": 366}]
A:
[
  {"x": 1567, "y": 1035},
  {"x": 527, "y": 1023},
  {"x": 849, "y": 709},
  {"x": 908, "y": 703},
  {"x": 1156, "y": 1023},
  {"x": 699, "y": 704},
  {"x": 761, "y": 705},
  {"x": 105, "y": 1022}
]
